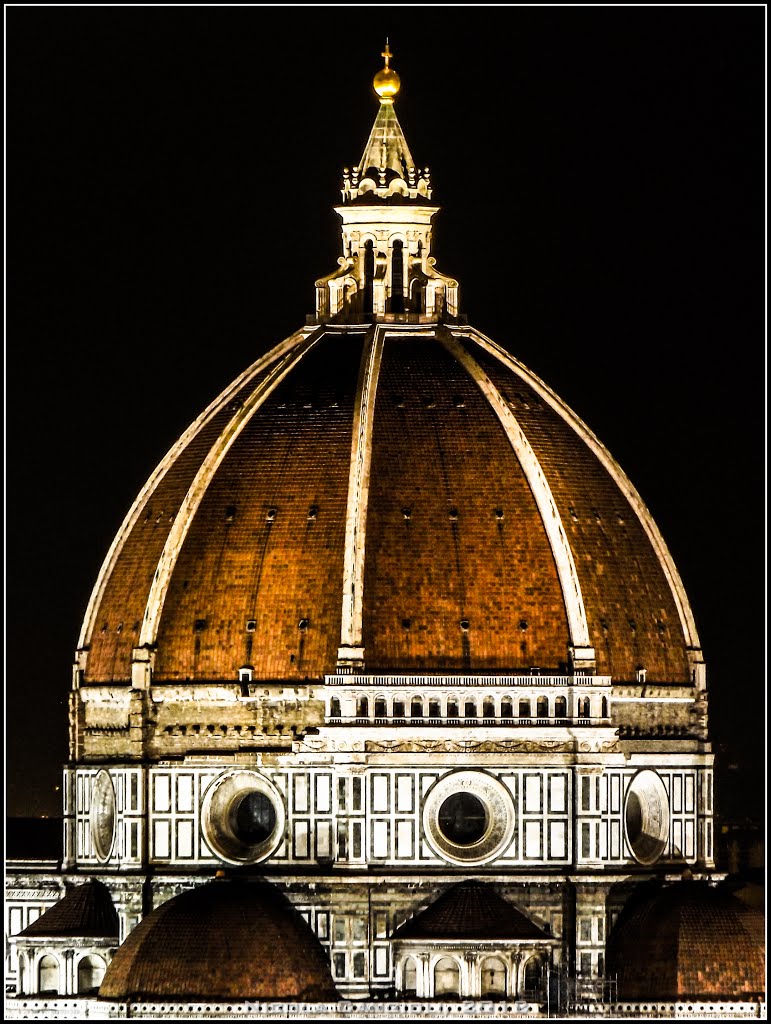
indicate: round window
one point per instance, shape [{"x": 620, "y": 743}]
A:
[
  {"x": 103, "y": 815},
  {"x": 242, "y": 817},
  {"x": 468, "y": 817},
  {"x": 463, "y": 819},
  {"x": 254, "y": 818},
  {"x": 646, "y": 816}
]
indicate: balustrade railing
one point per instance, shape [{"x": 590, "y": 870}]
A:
[
  {"x": 403, "y": 720},
  {"x": 532, "y": 679}
]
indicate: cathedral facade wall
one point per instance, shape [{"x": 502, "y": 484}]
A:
[{"x": 379, "y": 814}]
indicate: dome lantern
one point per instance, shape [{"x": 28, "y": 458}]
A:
[{"x": 386, "y": 268}]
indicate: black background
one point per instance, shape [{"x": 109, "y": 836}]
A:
[{"x": 171, "y": 173}]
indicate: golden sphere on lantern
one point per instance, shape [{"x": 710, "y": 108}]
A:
[{"x": 386, "y": 82}]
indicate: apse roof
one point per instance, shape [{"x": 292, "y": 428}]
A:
[
  {"x": 227, "y": 938},
  {"x": 689, "y": 939},
  {"x": 85, "y": 911},
  {"x": 470, "y": 910}
]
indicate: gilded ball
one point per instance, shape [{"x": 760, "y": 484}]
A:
[{"x": 386, "y": 83}]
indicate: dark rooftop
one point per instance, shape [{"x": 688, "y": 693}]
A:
[
  {"x": 86, "y": 910},
  {"x": 470, "y": 910}
]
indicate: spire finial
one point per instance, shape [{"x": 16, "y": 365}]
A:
[{"x": 386, "y": 82}]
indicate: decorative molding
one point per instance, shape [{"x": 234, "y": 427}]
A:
[{"x": 469, "y": 746}]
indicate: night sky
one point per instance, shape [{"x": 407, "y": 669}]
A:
[{"x": 171, "y": 174}]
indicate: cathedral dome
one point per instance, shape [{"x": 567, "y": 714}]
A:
[
  {"x": 226, "y": 939},
  {"x": 388, "y": 490},
  {"x": 456, "y": 517},
  {"x": 689, "y": 940}
]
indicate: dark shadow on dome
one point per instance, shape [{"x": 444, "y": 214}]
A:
[
  {"x": 226, "y": 939},
  {"x": 688, "y": 939}
]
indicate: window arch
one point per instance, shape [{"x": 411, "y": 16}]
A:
[
  {"x": 334, "y": 707},
  {"x": 488, "y": 708},
  {"x": 416, "y": 707},
  {"x": 507, "y": 707},
  {"x": 91, "y": 970},
  {"x": 534, "y": 975},
  {"x": 604, "y": 707},
  {"x": 493, "y": 977},
  {"x": 362, "y": 707},
  {"x": 369, "y": 277},
  {"x": 470, "y": 709},
  {"x": 446, "y": 977},
  {"x": 48, "y": 974},
  {"x": 542, "y": 707},
  {"x": 397, "y": 277},
  {"x": 398, "y": 711},
  {"x": 583, "y": 707},
  {"x": 561, "y": 707},
  {"x": 410, "y": 977},
  {"x": 418, "y": 295},
  {"x": 452, "y": 707},
  {"x": 524, "y": 708},
  {"x": 381, "y": 708}
]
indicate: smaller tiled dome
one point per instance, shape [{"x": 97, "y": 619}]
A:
[
  {"x": 86, "y": 911},
  {"x": 688, "y": 940},
  {"x": 226, "y": 939},
  {"x": 470, "y": 910}
]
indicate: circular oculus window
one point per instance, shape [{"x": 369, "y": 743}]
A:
[
  {"x": 468, "y": 817},
  {"x": 646, "y": 816},
  {"x": 102, "y": 815},
  {"x": 242, "y": 817}
]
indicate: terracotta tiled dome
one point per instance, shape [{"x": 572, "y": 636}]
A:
[
  {"x": 222, "y": 940},
  {"x": 688, "y": 940},
  {"x": 465, "y": 568}
]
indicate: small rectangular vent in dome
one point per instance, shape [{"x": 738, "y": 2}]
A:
[
  {"x": 199, "y": 625},
  {"x": 230, "y": 514}
]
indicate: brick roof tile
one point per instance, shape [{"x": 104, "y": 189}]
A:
[{"x": 470, "y": 910}]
